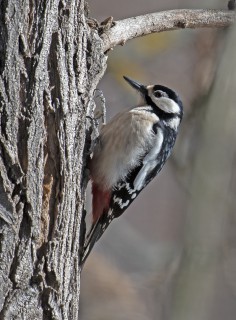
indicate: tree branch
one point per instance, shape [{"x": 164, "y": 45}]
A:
[{"x": 130, "y": 28}]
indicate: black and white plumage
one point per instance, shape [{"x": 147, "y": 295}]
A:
[{"x": 132, "y": 148}]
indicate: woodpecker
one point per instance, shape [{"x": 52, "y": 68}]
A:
[{"x": 131, "y": 150}]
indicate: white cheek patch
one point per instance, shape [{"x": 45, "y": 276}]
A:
[{"x": 166, "y": 104}]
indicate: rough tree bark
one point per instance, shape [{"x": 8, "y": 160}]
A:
[{"x": 50, "y": 64}]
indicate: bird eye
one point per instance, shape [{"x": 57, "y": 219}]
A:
[{"x": 157, "y": 94}]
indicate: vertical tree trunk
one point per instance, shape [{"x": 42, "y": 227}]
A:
[{"x": 50, "y": 64}]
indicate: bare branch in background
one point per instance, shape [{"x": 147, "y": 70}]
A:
[{"x": 134, "y": 27}]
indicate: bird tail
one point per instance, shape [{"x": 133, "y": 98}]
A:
[
  {"x": 91, "y": 238},
  {"x": 100, "y": 204},
  {"x": 95, "y": 233}
]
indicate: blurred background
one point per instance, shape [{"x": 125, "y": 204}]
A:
[{"x": 172, "y": 255}]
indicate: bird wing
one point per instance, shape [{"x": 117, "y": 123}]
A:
[{"x": 128, "y": 189}]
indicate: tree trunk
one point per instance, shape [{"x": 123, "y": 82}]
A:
[{"x": 50, "y": 65}]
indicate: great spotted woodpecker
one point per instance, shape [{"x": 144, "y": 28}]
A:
[{"x": 131, "y": 150}]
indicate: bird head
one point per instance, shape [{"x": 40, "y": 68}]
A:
[{"x": 160, "y": 97}]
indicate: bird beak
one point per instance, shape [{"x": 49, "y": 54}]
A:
[{"x": 137, "y": 86}]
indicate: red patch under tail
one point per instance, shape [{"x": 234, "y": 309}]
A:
[{"x": 101, "y": 201}]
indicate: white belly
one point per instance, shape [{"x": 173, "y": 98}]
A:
[{"x": 122, "y": 147}]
